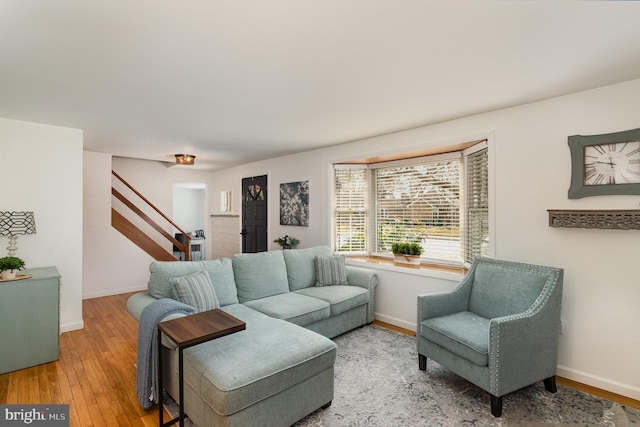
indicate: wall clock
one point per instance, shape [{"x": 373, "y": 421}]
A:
[{"x": 605, "y": 164}]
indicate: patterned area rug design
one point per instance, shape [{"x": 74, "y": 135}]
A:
[{"x": 378, "y": 383}]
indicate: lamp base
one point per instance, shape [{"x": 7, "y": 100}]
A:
[{"x": 13, "y": 246}]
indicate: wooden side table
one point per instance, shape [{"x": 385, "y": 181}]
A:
[{"x": 189, "y": 331}]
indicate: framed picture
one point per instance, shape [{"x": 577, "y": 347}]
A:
[
  {"x": 605, "y": 164},
  {"x": 294, "y": 203}
]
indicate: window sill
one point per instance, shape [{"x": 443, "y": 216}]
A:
[{"x": 427, "y": 270}]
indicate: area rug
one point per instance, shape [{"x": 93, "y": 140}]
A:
[{"x": 378, "y": 383}]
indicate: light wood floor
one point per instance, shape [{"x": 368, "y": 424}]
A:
[{"x": 96, "y": 376}]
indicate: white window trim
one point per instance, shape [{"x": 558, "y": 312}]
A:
[{"x": 417, "y": 160}]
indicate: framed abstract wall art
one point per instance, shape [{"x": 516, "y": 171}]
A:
[{"x": 294, "y": 203}]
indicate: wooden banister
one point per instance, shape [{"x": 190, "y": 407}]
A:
[
  {"x": 148, "y": 220},
  {"x": 127, "y": 227},
  {"x": 133, "y": 233}
]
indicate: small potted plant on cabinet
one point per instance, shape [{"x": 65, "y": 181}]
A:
[
  {"x": 9, "y": 266},
  {"x": 406, "y": 253}
]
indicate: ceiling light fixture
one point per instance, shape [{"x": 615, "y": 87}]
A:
[{"x": 185, "y": 159}]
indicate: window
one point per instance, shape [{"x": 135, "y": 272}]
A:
[
  {"x": 419, "y": 203},
  {"x": 477, "y": 205},
  {"x": 350, "y": 190},
  {"x": 440, "y": 202}
]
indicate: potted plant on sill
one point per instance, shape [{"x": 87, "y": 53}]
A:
[
  {"x": 406, "y": 253},
  {"x": 9, "y": 266}
]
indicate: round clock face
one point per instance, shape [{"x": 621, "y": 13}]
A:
[{"x": 607, "y": 164}]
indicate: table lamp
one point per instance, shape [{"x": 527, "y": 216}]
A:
[{"x": 13, "y": 224}]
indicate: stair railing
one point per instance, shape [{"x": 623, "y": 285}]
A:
[{"x": 139, "y": 237}]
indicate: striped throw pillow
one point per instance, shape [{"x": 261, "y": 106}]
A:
[
  {"x": 196, "y": 290},
  {"x": 331, "y": 270}
]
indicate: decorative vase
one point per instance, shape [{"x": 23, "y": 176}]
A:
[
  {"x": 407, "y": 259},
  {"x": 9, "y": 274}
]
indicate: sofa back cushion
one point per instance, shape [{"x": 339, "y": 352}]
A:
[
  {"x": 501, "y": 290},
  {"x": 260, "y": 275},
  {"x": 220, "y": 272},
  {"x": 301, "y": 266}
]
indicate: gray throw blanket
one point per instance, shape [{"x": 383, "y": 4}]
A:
[{"x": 147, "y": 365}]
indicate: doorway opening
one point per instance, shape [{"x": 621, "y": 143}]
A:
[{"x": 190, "y": 213}]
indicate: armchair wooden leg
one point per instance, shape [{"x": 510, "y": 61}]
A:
[
  {"x": 496, "y": 406},
  {"x": 550, "y": 384},
  {"x": 422, "y": 362}
]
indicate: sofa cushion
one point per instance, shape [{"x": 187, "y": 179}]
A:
[
  {"x": 195, "y": 290},
  {"x": 500, "y": 290},
  {"x": 220, "y": 272},
  {"x": 301, "y": 265},
  {"x": 340, "y": 298},
  {"x": 331, "y": 270},
  {"x": 260, "y": 275},
  {"x": 233, "y": 372},
  {"x": 464, "y": 333},
  {"x": 299, "y": 309}
]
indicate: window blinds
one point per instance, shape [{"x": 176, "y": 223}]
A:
[
  {"x": 419, "y": 203},
  {"x": 350, "y": 209},
  {"x": 477, "y": 205}
]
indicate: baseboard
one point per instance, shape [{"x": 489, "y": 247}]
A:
[
  {"x": 394, "y": 328},
  {"x": 110, "y": 292},
  {"x": 626, "y": 390},
  {"x": 395, "y": 321},
  {"x": 74, "y": 326}
]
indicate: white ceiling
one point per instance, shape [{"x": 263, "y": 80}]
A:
[{"x": 240, "y": 80}]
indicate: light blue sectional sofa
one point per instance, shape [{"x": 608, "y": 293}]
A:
[{"x": 280, "y": 368}]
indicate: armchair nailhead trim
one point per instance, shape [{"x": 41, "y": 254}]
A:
[{"x": 494, "y": 339}]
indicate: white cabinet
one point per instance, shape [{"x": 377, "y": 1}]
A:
[{"x": 197, "y": 250}]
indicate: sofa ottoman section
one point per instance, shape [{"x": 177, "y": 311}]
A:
[{"x": 237, "y": 377}]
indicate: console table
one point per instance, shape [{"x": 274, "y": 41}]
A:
[
  {"x": 186, "y": 332},
  {"x": 29, "y": 319}
]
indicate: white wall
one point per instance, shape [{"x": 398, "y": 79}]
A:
[
  {"x": 531, "y": 166},
  {"x": 111, "y": 264},
  {"x": 42, "y": 172},
  {"x": 190, "y": 208}
]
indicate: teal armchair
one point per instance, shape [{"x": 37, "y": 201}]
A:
[{"x": 499, "y": 328}]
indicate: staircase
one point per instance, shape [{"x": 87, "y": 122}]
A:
[{"x": 136, "y": 223}]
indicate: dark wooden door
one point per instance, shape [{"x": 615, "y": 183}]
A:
[{"x": 254, "y": 214}]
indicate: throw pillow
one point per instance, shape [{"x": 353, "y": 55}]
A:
[
  {"x": 196, "y": 290},
  {"x": 331, "y": 270}
]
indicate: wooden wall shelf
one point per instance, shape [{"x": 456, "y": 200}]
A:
[{"x": 603, "y": 219}]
